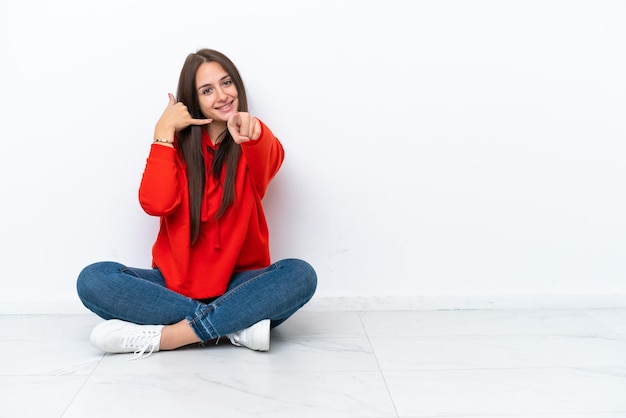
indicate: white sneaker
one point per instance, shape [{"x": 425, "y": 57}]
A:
[
  {"x": 256, "y": 337},
  {"x": 115, "y": 336}
]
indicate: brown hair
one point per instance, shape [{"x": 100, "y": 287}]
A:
[{"x": 190, "y": 138}]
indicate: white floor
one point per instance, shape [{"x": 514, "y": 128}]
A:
[{"x": 562, "y": 363}]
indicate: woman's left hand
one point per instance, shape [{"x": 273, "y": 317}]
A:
[{"x": 244, "y": 127}]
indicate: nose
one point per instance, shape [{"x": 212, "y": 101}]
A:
[{"x": 220, "y": 94}]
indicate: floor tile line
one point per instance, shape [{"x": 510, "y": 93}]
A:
[
  {"x": 382, "y": 375},
  {"x": 80, "y": 389}
]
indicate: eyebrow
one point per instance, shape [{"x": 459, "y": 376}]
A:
[{"x": 209, "y": 84}]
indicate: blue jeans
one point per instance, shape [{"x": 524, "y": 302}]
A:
[{"x": 112, "y": 290}]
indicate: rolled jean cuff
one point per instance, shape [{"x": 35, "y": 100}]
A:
[{"x": 201, "y": 325}]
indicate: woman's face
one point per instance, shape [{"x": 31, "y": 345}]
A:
[{"x": 216, "y": 91}]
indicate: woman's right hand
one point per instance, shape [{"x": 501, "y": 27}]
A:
[{"x": 175, "y": 117}]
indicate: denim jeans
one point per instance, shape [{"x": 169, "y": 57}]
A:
[{"x": 112, "y": 290}]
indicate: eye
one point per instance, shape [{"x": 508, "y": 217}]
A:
[
  {"x": 227, "y": 82},
  {"x": 206, "y": 91}
]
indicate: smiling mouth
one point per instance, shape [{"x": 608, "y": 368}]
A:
[{"x": 225, "y": 107}]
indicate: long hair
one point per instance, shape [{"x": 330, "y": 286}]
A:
[{"x": 190, "y": 138}]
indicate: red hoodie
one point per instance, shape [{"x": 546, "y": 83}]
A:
[{"x": 235, "y": 242}]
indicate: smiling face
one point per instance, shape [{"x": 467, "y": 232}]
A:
[{"x": 217, "y": 93}]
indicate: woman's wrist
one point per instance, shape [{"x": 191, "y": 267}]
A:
[
  {"x": 163, "y": 135},
  {"x": 163, "y": 141}
]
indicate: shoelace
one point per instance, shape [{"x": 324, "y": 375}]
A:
[{"x": 142, "y": 341}]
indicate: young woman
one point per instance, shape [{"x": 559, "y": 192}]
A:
[{"x": 208, "y": 169}]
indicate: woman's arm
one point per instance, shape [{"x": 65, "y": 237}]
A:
[
  {"x": 159, "y": 191},
  {"x": 263, "y": 156}
]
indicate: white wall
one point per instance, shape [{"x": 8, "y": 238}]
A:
[{"x": 440, "y": 154}]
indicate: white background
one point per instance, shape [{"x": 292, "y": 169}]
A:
[{"x": 442, "y": 154}]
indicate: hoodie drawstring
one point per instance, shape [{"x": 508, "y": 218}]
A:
[{"x": 218, "y": 237}]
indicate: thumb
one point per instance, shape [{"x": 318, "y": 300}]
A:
[{"x": 172, "y": 99}]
